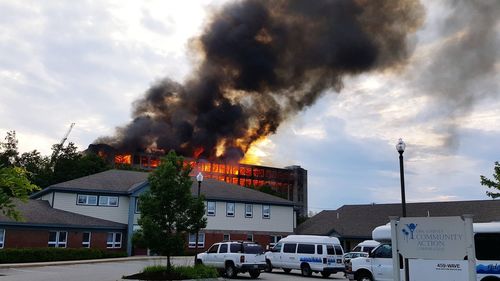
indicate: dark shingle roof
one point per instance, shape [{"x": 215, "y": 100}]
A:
[
  {"x": 358, "y": 221},
  {"x": 40, "y": 213},
  {"x": 125, "y": 182},
  {"x": 116, "y": 181},
  {"x": 219, "y": 190}
]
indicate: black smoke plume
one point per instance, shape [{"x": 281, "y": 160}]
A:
[{"x": 263, "y": 61}]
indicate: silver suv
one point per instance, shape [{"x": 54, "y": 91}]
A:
[{"x": 233, "y": 257}]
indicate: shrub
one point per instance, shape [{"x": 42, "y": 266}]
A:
[
  {"x": 159, "y": 272},
  {"x": 21, "y": 255}
]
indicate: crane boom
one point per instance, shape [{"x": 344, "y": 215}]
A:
[{"x": 58, "y": 147}]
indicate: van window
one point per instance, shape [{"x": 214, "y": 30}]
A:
[
  {"x": 338, "y": 250},
  {"x": 277, "y": 248},
  {"x": 305, "y": 249},
  {"x": 357, "y": 249},
  {"x": 330, "y": 250},
  {"x": 319, "y": 249},
  {"x": 368, "y": 249},
  {"x": 289, "y": 248},
  {"x": 384, "y": 251},
  {"x": 487, "y": 246}
]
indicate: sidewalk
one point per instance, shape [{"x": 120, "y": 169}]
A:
[{"x": 50, "y": 263}]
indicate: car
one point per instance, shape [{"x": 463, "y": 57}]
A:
[
  {"x": 233, "y": 257},
  {"x": 352, "y": 255}
]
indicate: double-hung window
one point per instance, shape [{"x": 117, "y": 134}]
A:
[
  {"x": 110, "y": 201},
  {"x": 58, "y": 239},
  {"x": 266, "y": 211},
  {"x": 83, "y": 199},
  {"x": 2, "y": 238},
  {"x": 210, "y": 208},
  {"x": 248, "y": 210},
  {"x": 86, "y": 240},
  {"x": 137, "y": 206},
  {"x": 201, "y": 240},
  {"x": 230, "y": 209},
  {"x": 114, "y": 240}
]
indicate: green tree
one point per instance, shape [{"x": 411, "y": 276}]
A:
[
  {"x": 493, "y": 184},
  {"x": 169, "y": 211},
  {"x": 8, "y": 150},
  {"x": 14, "y": 184}
]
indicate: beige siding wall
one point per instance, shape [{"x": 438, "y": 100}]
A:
[
  {"x": 282, "y": 219},
  {"x": 67, "y": 202},
  {"x": 47, "y": 197}
]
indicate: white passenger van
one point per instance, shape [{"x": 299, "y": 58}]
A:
[
  {"x": 309, "y": 253},
  {"x": 366, "y": 246},
  {"x": 486, "y": 242}
]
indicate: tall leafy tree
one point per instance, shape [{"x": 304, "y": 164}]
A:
[
  {"x": 8, "y": 150},
  {"x": 14, "y": 184},
  {"x": 493, "y": 183},
  {"x": 169, "y": 211}
]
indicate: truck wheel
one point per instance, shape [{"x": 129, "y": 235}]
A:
[
  {"x": 254, "y": 273},
  {"x": 305, "y": 270},
  {"x": 269, "y": 266},
  {"x": 364, "y": 277},
  {"x": 325, "y": 274},
  {"x": 287, "y": 270},
  {"x": 230, "y": 270}
]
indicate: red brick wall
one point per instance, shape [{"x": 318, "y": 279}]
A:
[{"x": 30, "y": 238}]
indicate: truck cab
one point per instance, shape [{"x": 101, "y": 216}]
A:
[{"x": 377, "y": 267}]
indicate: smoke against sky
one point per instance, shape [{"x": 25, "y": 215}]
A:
[{"x": 263, "y": 61}]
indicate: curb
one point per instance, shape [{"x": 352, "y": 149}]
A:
[{"x": 55, "y": 263}]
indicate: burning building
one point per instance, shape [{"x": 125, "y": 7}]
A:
[{"x": 289, "y": 183}]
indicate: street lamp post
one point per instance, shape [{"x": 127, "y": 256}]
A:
[
  {"x": 199, "y": 178},
  {"x": 400, "y": 147}
]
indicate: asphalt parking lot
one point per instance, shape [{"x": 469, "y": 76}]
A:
[{"x": 113, "y": 271}]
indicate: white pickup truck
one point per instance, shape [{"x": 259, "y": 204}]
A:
[
  {"x": 233, "y": 257},
  {"x": 377, "y": 267}
]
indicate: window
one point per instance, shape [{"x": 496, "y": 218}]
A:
[
  {"x": 226, "y": 237},
  {"x": 289, "y": 248},
  {"x": 57, "y": 239},
  {"x": 223, "y": 248},
  {"x": 235, "y": 248},
  {"x": 338, "y": 250},
  {"x": 110, "y": 201},
  {"x": 277, "y": 248},
  {"x": 230, "y": 209},
  {"x": 487, "y": 246},
  {"x": 330, "y": 250},
  {"x": 114, "y": 240},
  {"x": 248, "y": 210},
  {"x": 249, "y": 237},
  {"x": 273, "y": 239},
  {"x": 86, "y": 200},
  {"x": 319, "y": 249},
  {"x": 305, "y": 249},
  {"x": 384, "y": 251},
  {"x": 192, "y": 240},
  {"x": 210, "y": 208},
  {"x": 2, "y": 238},
  {"x": 137, "y": 206},
  {"x": 213, "y": 249},
  {"x": 266, "y": 211},
  {"x": 86, "y": 240}
]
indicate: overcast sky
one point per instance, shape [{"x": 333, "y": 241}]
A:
[{"x": 88, "y": 61}]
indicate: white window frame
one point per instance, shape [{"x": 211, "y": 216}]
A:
[
  {"x": 250, "y": 235},
  {"x": 58, "y": 243},
  {"x": 86, "y": 196},
  {"x": 86, "y": 244},
  {"x": 224, "y": 237},
  {"x": 274, "y": 239},
  {"x": 2, "y": 241},
  {"x": 209, "y": 211},
  {"x": 192, "y": 240},
  {"x": 266, "y": 215},
  {"x": 107, "y": 201},
  {"x": 114, "y": 244},
  {"x": 248, "y": 213},
  {"x": 137, "y": 206},
  {"x": 230, "y": 213}
]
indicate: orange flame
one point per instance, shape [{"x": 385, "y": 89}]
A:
[
  {"x": 198, "y": 151},
  {"x": 123, "y": 159}
]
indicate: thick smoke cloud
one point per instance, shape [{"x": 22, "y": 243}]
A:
[{"x": 263, "y": 61}]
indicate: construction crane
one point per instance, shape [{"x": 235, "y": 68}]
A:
[{"x": 58, "y": 147}]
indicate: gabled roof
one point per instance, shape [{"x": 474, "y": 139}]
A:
[
  {"x": 358, "y": 221},
  {"x": 38, "y": 213},
  {"x": 127, "y": 182},
  {"x": 110, "y": 181}
]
